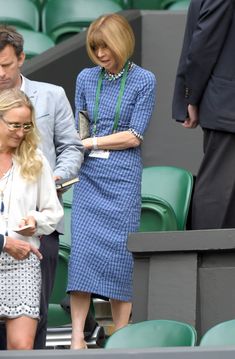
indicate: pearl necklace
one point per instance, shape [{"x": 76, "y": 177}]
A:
[{"x": 112, "y": 77}]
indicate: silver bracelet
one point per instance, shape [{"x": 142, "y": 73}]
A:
[{"x": 94, "y": 143}]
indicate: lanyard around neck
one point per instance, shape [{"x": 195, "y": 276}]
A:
[{"x": 118, "y": 105}]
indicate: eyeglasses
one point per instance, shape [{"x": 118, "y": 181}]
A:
[{"x": 17, "y": 126}]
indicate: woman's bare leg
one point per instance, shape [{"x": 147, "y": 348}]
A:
[
  {"x": 121, "y": 312},
  {"x": 80, "y": 303},
  {"x": 21, "y": 333}
]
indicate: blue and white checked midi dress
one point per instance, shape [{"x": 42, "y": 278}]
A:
[{"x": 107, "y": 200}]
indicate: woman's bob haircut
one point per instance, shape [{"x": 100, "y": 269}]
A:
[{"x": 112, "y": 31}]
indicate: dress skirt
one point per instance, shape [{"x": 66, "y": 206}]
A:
[
  {"x": 105, "y": 209},
  {"x": 20, "y": 286}
]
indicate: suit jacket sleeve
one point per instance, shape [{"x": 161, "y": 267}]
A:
[
  {"x": 1, "y": 242},
  {"x": 69, "y": 148},
  {"x": 206, "y": 43}
]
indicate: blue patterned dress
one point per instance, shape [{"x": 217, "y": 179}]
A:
[{"x": 107, "y": 200}]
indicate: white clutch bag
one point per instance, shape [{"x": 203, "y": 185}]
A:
[{"x": 84, "y": 125}]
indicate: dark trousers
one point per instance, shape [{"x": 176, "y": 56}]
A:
[
  {"x": 213, "y": 204},
  {"x": 49, "y": 248}
]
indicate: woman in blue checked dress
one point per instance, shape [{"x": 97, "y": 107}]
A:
[{"x": 119, "y": 97}]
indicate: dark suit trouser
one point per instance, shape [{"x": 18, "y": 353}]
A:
[
  {"x": 213, "y": 205},
  {"x": 49, "y": 248}
]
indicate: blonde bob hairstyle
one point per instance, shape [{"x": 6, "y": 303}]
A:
[
  {"x": 26, "y": 153},
  {"x": 112, "y": 31}
]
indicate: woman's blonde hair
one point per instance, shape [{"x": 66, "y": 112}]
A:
[
  {"x": 26, "y": 155},
  {"x": 113, "y": 31}
]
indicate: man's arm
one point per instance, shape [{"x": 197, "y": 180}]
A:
[
  {"x": 68, "y": 146},
  {"x": 206, "y": 44},
  {"x": 1, "y": 242}
]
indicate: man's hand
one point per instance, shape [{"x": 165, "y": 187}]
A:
[
  {"x": 193, "y": 120},
  {"x": 60, "y": 190},
  {"x": 19, "y": 249}
]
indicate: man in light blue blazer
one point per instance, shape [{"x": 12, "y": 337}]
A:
[{"x": 59, "y": 143}]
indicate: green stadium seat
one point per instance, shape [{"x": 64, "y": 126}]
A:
[
  {"x": 222, "y": 334},
  {"x": 153, "y": 333},
  {"x": 35, "y": 42},
  {"x": 147, "y": 4},
  {"x": 179, "y": 5},
  {"x": 157, "y": 215},
  {"x": 21, "y": 13},
  {"x": 39, "y": 3},
  {"x": 62, "y": 19},
  {"x": 125, "y": 4},
  {"x": 65, "y": 239},
  {"x": 172, "y": 185}
]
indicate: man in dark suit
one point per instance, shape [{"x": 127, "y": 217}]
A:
[{"x": 205, "y": 95}]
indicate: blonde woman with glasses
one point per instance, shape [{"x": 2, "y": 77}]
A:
[{"x": 29, "y": 208}]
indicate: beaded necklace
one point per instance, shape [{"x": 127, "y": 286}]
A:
[{"x": 112, "y": 77}]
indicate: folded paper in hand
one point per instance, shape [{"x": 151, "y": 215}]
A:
[
  {"x": 62, "y": 184},
  {"x": 84, "y": 125}
]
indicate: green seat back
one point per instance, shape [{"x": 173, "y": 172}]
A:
[
  {"x": 125, "y": 4},
  {"x": 153, "y": 333},
  {"x": 179, "y": 5},
  {"x": 222, "y": 334},
  {"x": 66, "y": 237},
  {"x": 35, "y": 42},
  {"x": 156, "y": 215},
  {"x": 57, "y": 316},
  {"x": 22, "y": 13},
  {"x": 39, "y": 3},
  {"x": 147, "y": 4},
  {"x": 67, "y": 199},
  {"x": 65, "y": 18},
  {"x": 172, "y": 184}
]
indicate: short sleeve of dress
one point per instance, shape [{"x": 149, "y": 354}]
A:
[
  {"x": 144, "y": 104},
  {"x": 80, "y": 101}
]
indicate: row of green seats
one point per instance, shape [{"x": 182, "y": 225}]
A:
[
  {"x": 170, "y": 333},
  {"x": 47, "y": 22}
]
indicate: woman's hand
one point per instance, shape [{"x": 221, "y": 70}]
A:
[
  {"x": 19, "y": 249},
  {"x": 28, "y": 221},
  {"x": 87, "y": 143}
]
